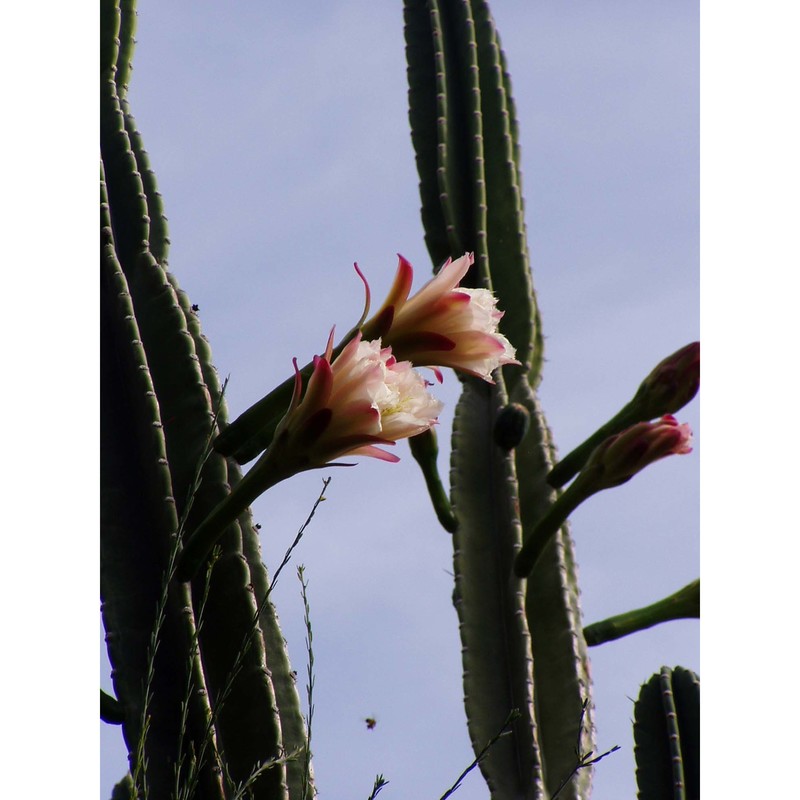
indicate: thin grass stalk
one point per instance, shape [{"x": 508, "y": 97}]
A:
[
  {"x": 139, "y": 773},
  {"x": 310, "y": 684}
]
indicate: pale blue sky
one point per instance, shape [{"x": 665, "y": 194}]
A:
[{"x": 281, "y": 145}]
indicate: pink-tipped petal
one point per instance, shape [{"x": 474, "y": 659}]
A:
[
  {"x": 297, "y": 392},
  {"x": 329, "y": 345},
  {"x": 320, "y": 385},
  {"x": 367, "y": 296},
  {"x": 375, "y": 452},
  {"x": 444, "y": 281}
]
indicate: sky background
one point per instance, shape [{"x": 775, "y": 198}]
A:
[{"x": 281, "y": 144}]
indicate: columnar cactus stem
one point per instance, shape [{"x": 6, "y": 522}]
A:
[
  {"x": 139, "y": 524},
  {"x": 489, "y": 600},
  {"x": 465, "y": 138},
  {"x": 233, "y": 697},
  {"x": 666, "y": 731}
]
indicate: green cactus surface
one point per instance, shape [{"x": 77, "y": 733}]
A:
[
  {"x": 465, "y": 138},
  {"x": 666, "y": 732},
  {"x": 199, "y": 670}
]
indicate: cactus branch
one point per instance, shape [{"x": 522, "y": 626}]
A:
[{"x": 683, "y": 604}]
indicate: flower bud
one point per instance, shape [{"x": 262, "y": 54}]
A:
[
  {"x": 511, "y": 425},
  {"x": 669, "y": 387},
  {"x": 616, "y": 460},
  {"x": 622, "y": 455},
  {"x": 672, "y": 384}
]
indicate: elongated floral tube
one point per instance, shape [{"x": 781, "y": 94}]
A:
[
  {"x": 614, "y": 462},
  {"x": 354, "y": 405},
  {"x": 443, "y": 324},
  {"x": 672, "y": 383},
  {"x": 425, "y": 449}
]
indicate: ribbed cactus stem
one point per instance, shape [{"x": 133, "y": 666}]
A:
[
  {"x": 666, "y": 732},
  {"x": 158, "y": 410},
  {"x": 545, "y": 529},
  {"x": 466, "y": 144}
]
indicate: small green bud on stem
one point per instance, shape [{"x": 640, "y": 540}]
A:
[{"x": 511, "y": 425}]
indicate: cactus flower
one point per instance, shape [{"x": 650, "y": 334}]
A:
[
  {"x": 442, "y": 325},
  {"x": 362, "y": 398}
]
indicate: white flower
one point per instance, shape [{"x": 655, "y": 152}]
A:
[
  {"x": 362, "y": 398},
  {"x": 442, "y": 325}
]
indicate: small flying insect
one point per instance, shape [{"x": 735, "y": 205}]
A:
[
  {"x": 195, "y": 307},
  {"x": 371, "y": 723}
]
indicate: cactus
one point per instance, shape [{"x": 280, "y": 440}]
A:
[
  {"x": 205, "y": 694},
  {"x": 465, "y": 138},
  {"x": 666, "y": 730},
  {"x": 191, "y": 688}
]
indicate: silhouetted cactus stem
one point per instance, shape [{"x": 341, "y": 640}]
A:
[
  {"x": 667, "y": 389},
  {"x": 666, "y": 734},
  {"x": 683, "y": 604},
  {"x": 111, "y": 710},
  {"x": 425, "y": 449},
  {"x": 612, "y": 463}
]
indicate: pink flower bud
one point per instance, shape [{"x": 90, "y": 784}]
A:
[
  {"x": 361, "y": 399},
  {"x": 442, "y": 325},
  {"x": 621, "y": 456},
  {"x": 673, "y": 383}
]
